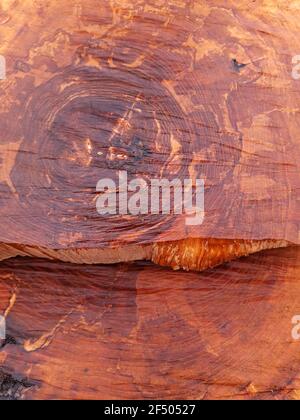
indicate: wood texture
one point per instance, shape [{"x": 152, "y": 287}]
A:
[
  {"x": 164, "y": 89},
  {"x": 141, "y": 331}
]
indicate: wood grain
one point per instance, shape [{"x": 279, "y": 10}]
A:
[
  {"x": 141, "y": 331},
  {"x": 157, "y": 88}
]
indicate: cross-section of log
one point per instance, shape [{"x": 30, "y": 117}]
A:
[
  {"x": 140, "y": 331},
  {"x": 157, "y": 90}
]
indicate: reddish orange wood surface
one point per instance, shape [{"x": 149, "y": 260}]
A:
[
  {"x": 138, "y": 331},
  {"x": 153, "y": 88},
  {"x": 173, "y": 88}
]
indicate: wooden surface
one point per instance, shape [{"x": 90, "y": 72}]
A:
[
  {"x": 199, "y": 89},
  {"x": 160, "y": 89},
  {"x": 139, "y": 331}
]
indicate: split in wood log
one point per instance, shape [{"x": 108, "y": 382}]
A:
[
  {"x": 138, "y": 331},
  {"x": 160, "y": 89},
  {"x": 188, "y": 254}
]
